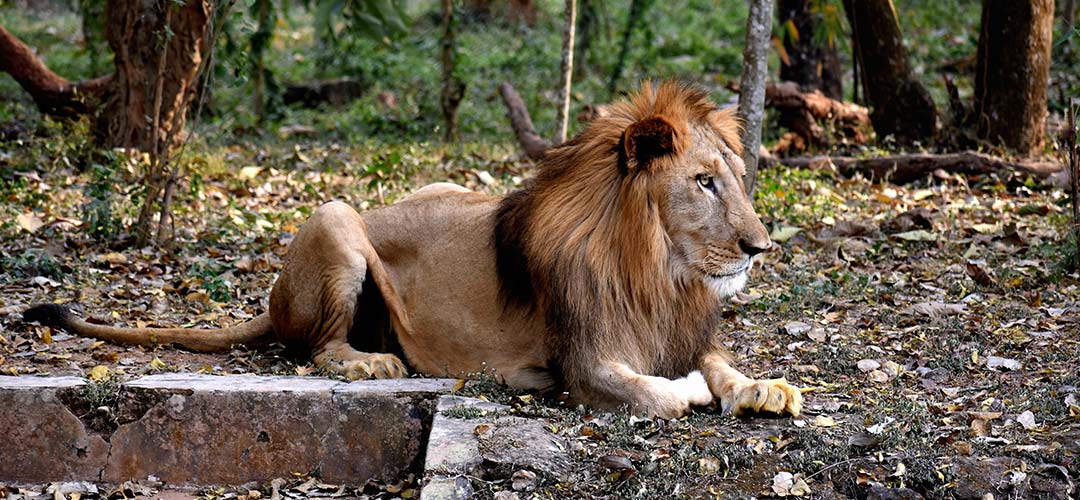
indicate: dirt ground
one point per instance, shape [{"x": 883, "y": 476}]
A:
[{"x": 935, "y": 328}]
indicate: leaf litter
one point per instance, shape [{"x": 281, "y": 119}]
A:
[{"x": 930, "y": 324}]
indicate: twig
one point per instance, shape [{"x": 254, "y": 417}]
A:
[
  {"x": 156, "y": 172},
  {"x": 563, "y": 114}
]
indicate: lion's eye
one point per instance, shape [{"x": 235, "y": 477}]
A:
[{"x": 706, "y": 182}]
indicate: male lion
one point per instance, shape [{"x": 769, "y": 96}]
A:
[{"x": 602, "y": 277}]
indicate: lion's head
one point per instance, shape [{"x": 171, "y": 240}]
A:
[{"x": 639, "y": 224}]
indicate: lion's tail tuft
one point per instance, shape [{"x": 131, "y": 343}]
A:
[{"x": 51, "y": 315}]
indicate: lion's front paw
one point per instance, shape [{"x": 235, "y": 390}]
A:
[
  {"x": 376, "y": 365},
  {"x": 761, "y": 396}
]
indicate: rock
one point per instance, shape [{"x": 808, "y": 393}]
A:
[
  {"x": 447, "y": 488},
  {"x": 523, "y": 480},
  {"x": 975, "y": 477}
]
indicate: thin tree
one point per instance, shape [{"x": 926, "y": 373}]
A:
[
  {"x": 1012, "y": 72},
  {"x": 567, "y": 71},
  {"x": 900, "y": 104},
  {"x": 638, "y": 8},
  {"x": 453, "y": 89},
  {"x": 752, "y": 83}
]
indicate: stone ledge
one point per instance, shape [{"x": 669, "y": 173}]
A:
[
  {"x": 475, "y": 438},
  {"x": 190, "y": 429}
]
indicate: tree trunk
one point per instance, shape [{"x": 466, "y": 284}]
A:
[
  {"x": 900, "y": 105},
  {"x": 752, "y": 83},
  {"x": 453, "y": 89},
  {"x": 148, "y": 58},
  {"x": 813, "y": 65},
  {"x": 567, "y": 71},
  {"x": 1012, "y": 72},
  {"x": 633, "y": 20}
]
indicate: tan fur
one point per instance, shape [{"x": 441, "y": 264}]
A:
[{"x": 602, "y": 277}]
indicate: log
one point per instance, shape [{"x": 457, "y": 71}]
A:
[
  {"x": 534, "y": 145},
  {"x": 335, "y": 92},
  {"x": 901, "y": 169},
  {"x": 801, "y": 112},
  {"x": 53, "y": 94}
]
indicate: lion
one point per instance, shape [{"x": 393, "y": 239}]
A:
[{"x": 602, "y": 277}]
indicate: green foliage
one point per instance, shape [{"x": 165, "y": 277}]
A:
[
  {"x": 210, "y": 274},
  {"x": 28, "y": 264},
  {"x": 99, "y": 210},
  {"x": 380, "y": 20}
]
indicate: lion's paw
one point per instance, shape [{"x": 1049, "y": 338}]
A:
[
  {"x": 762, "y": 396},
  {"x": 374, "y": 366}
]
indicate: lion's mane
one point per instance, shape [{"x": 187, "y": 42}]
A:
[{"x": 583, "y": 244}]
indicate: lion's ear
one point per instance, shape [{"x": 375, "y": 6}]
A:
[{"x": 648, "y": 139}]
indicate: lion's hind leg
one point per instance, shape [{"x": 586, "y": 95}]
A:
[{"x": 317, "y": 299}]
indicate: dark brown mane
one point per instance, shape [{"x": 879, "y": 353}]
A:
[{"x": 582, "y": 243}]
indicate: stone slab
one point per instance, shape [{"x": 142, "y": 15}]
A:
[
  {"x": 41, "y": 438},
  {"x": 190, "y": 429},
  {"x": 471, "y": 437}
]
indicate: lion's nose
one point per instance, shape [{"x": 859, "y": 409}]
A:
[{"x": 754, "y": 248}]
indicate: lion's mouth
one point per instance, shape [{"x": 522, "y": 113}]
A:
[{"x": 736, "y": 270}]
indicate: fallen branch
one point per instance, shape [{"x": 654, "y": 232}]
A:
[
  {"x": 334, "y": 92},
  {"x": 533, "y": 144},
  {"x": 901, "y": 169},
  {"x": 53, "y": 94},
  {"x": 801, "y": 112}
]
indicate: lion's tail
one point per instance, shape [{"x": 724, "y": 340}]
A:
[{"x": 257, "y": 331}]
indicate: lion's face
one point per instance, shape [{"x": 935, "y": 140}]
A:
[{"x": 706, "y": 213}]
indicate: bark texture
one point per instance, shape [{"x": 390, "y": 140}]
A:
[
  {"x": 813, "y": 65},
  {"x": 453, "y": 89},
  {"x": 1012, "y": 73},
  {"x": 53, "y": 94},
  {"x": 533, "y": 144},
  {"x": 901, "y": 106},
  {"x": 156, "y": 70},
  {"x": 752, "y": 97},
  {"x": 567, "y": 71}
]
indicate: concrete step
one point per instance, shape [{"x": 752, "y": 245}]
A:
[{"x": 190, "y": 430}]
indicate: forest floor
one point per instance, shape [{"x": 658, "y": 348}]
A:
[{"x": 933, "y": 325}]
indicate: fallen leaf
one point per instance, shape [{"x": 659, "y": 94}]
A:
[
  {"x": 780, "y": 234},
  {"x": 1027, "y": 419},
  {"x": 250, "y": 172},
  {"x": 29, "y": 222},
  {"x": 823, "y": 421},
  {"x": 98, "y": 373},
  {"x": 936, "y": 309},
  {"x": 616, "y": 463},
  {"x": 709, "y": 465},
  {"x": 867, "y": 365},
  {"x": 796, "y": 328},
  {"x": 782, "y": 483},
  {"x": 997, "y": 362},
  {"x": 863, "y": 440},
  {"x": 916, "y": 235}
]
